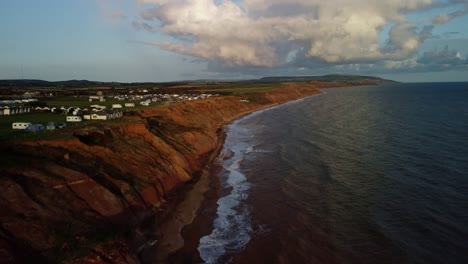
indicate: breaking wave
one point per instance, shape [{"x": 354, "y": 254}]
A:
[{"x": 232, "y": 228}]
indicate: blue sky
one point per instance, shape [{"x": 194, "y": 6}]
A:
[{"x": 160, "y": 40}]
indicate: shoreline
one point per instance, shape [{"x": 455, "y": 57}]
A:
[
  {"x": 127, "y": 188},
  {"x": 193, "y": 217},
  {"x": 179, "y": 228}
]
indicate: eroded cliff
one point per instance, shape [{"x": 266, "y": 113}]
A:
[{"x": 73, "y": 199}]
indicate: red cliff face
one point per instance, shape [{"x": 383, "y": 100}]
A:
[{"x": 61, "y": 200}]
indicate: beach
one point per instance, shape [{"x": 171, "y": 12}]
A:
[{"x": 192, "y": 217}]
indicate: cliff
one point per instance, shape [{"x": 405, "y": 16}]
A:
[{"x": 76, "y": 198}]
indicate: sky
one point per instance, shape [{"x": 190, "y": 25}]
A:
[{"x": 169, "y": 40}]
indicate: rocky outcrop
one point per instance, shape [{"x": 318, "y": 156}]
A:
[{"x": 76, "y": 199}]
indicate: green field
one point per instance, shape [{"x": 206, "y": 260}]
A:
[
  {"x": 236, "y": 88},
  {"x": 35, "y": 117},
  {"x": 83, "y": 102},
  {"x": 247, "y": 90},
  {"x": 6, "y": 132}
]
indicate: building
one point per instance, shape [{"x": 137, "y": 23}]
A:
[
  {"x": 96, "y": 97},
  {"x": 14, "y": 110},
  {"x": 116, "y": 106},
  {"x": 106, "y": 115},
  {"x": 74, "y": 119},
  {"x": 20, "y": 125},
  {"x": 129, "y": 104},
  {"x": 7, "y": 111},
  {"x": 99, "y": 116}
]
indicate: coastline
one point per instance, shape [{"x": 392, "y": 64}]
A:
[
  {"x": 194, "y": 216},
  {"x": 156, "y": 176},
  {"x": 178, "y": 235}
]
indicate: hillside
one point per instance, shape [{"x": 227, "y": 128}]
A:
[
  {"x": 85, "y": 83},
  {"x": 327, "y": 78}
]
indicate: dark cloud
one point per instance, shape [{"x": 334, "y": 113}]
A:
[
  {"x": 444, "y": 57},
  {"x": 143, "y": 26}
]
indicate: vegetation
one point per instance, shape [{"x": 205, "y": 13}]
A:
[
  {"x": 75, "y": 93},
  {"x": 230, "y": 88},
  {"x": 82, "y": 102},
  {"x": 7, "y": 133},
  {"x": 325, "y": 78}
]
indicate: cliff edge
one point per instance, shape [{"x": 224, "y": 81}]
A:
[{"x": 76, "y": 199}]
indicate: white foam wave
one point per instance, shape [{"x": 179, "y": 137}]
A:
[{"x": 232, "y": 229}]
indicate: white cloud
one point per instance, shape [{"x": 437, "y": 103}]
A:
[{"x": 269, "y": 32}]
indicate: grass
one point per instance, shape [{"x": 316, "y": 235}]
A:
[
  {"x": 35, "y": 117},
  {"x": 229, "y": 88},
  {"x": 240, "y": 88},
  {"x": 247, "y": 90},
  {"x": 6, "y": 132},
  {"x": 83, "y": 102}
]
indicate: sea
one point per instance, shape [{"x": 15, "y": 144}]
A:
[{"x": 371, "y": 174}]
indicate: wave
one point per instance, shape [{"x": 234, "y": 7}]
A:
[{"x": 232, "y": 227}]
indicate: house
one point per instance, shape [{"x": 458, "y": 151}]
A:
[
  {"x": 145, "y": 103},
  {"x": 99, "y": 116},
  {"x": 116, "y": 106},
  {"x": 96, "y": 97},
  {"x": 74, "y": 119},
  {"x": 129, "y": 104},
  {"x": 2, "y": 110},
  {"x": 20, "y": 125}
]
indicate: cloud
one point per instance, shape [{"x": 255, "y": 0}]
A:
[
  {"x": 444, "y": 18},
  {"x": 294, "y": 33},
  {"x": 444, "y": 57},
  {"x": 143, "y": 26}
]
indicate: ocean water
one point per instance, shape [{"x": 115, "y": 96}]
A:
[{"x": 374, "y": 174}]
